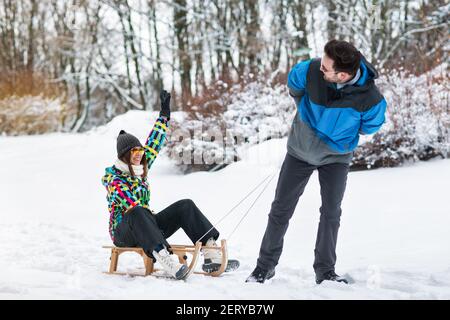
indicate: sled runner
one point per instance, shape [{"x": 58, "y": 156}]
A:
[{"x": 180, "y": 250}]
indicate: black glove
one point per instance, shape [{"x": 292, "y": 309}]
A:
[{"x": 165, "y": 104}]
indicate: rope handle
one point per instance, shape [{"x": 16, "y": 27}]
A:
[{"x": 242, "y": 200}]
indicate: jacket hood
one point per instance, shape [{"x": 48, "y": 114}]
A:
[
  {"x": 368, "y": 72},
  {"x": 109, "y": 171},
  {"x": 112, "y": 171}
]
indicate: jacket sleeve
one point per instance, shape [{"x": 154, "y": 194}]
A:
[
  {"x": 155, "y": 140},
  {"x": 373, "y": 119},
  {"x": 297, "y": 80}
]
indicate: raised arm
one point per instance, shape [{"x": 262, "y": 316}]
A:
[
  {"x": 157, "y": 135},
  {"x": 155, "y": 140}
]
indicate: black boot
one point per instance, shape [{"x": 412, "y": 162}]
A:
[
  {"x": 209, "y": 266},
  {"x": 331, "y": 276},
  {"x": 260, "y": 275}
]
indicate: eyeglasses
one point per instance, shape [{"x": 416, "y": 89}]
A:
[
  {"x": 139, "y": 151},
  {"x": 324, "y": 70}
]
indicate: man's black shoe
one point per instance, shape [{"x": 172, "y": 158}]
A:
[
  {"x": 260, "y": 275},
  {"x": 330, "y": 276}
]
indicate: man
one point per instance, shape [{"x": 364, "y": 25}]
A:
[{"x": 336, "y": 101}]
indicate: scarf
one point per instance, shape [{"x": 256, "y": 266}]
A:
[{"x": 122, "y": 166}]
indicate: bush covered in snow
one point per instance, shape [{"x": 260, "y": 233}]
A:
[
  {"x": 417, "y": 121},
  {"x": 31, "y": 115},
  {"x": 256, "y": 113},
  {"x": 416, "y": 128}
]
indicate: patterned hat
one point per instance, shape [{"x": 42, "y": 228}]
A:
[{"x": 126, "y": 142}]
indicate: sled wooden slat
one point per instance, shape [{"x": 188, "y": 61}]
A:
[{"x": 179, "y": 250}]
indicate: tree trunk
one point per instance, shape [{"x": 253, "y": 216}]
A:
[{"x": 181, "y": 33}]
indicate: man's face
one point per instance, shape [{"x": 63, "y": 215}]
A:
[{"x": 329, "y": 74}]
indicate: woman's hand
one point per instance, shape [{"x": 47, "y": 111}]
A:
[{"x": 165, "y": 104}]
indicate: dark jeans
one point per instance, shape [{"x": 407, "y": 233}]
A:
[
  {"x": 141, "y": 228},
  {"x": 294, "y": 176}
]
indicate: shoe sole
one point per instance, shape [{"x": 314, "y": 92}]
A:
[
  {"x": 185, "y": 275},
  {"x": 320, "y": 281},
  {"x": 213, "y": 267}
]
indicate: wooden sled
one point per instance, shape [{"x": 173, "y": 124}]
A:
[{"x": 180, "y": 250}]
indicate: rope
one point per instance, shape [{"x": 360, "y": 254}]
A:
[
  {"x": 242, "y": 200},
  {"x": 245, "y": 215}
]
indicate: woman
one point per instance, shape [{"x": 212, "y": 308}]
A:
[{"x": 132, "y": 224}]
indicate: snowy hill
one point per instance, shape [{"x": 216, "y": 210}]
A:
[{"x": 393, "y": 241}]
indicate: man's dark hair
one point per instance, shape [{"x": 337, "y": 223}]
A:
[{"x": 345, "y": 56}]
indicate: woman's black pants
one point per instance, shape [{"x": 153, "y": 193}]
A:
[{"x": 140, "y": 228}]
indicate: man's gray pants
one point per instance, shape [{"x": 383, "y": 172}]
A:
[{"x": 294, "y": 176}]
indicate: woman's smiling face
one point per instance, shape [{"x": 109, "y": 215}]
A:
[{"x": 136, "y": 155}]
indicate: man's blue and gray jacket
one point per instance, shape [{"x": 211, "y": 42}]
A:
[{"x": 329, "y": 120}]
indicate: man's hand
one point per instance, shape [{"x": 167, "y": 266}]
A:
[{"x": 165, "y": 104}]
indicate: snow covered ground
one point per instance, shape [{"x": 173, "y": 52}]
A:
[{"x": 394, "y": 239}]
